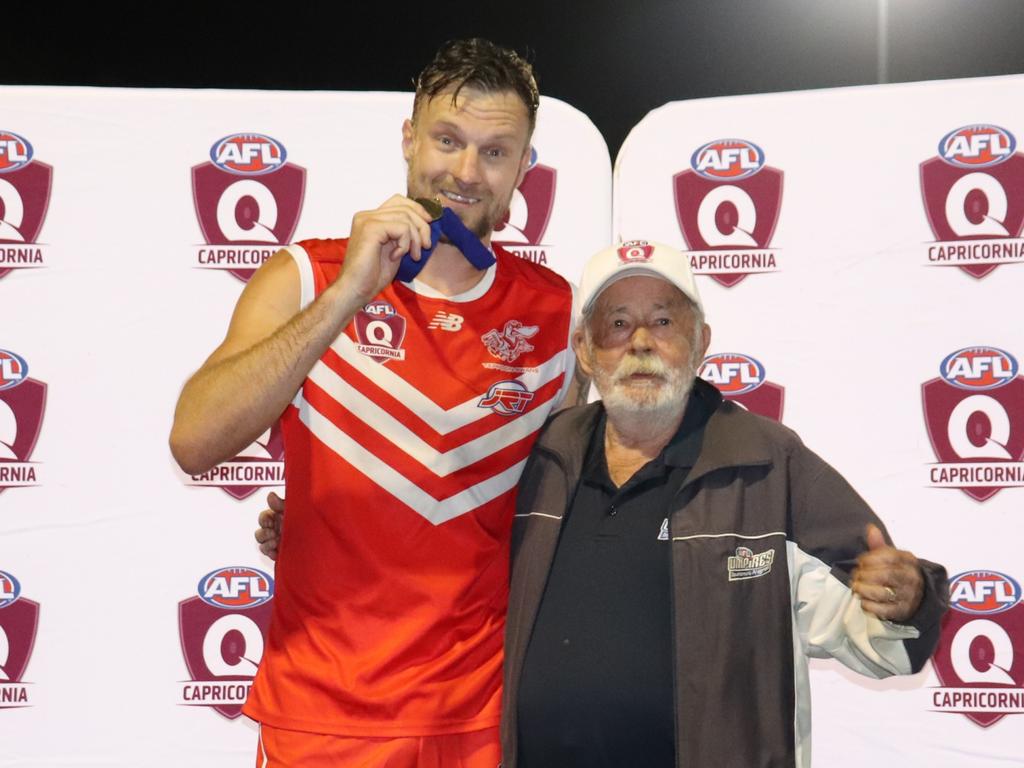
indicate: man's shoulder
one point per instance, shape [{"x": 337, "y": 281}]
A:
[
  {"x": 734, "y": 434},
  {"x": 527, "y": 273},
  {"x": 325, "y": 249},
  {"x": 564, "y": 428}
]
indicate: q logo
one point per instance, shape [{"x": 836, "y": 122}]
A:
[
  {"x": 25, "y": 185},
  {"x": 980, "y": 656},
  {"x": 247, "y": 199},
  {"x": 223, "y": 630},
  {"x": 380, "y": 332},
  {"x": 727, "y": 205},
  {"x": 974, "y": 413},
  {"x": 19, "y": 620},
  {"x": 973, "y": 195}
]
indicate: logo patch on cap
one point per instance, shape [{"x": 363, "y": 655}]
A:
[{"x": 633, "y": 251}]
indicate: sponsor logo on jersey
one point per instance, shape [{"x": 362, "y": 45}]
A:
[
  {"x": 22, "y": 403},
  {"x": 745, "y": 564},
  {"x": 511, "y": 341},
  {"x": 974, "y": 414},
  {"x": 25, "y": 185},
  {"x": 248, "y": 198},
  {"x": 446, "y": 321},
  {"x": 635, "y": 251},
  {"x": 741, "y": 379},
  {"x": 19, "y": 620},
  {"x": 973, "y": 192},
  {"x": 380, "y": 331},
  {"x": 259, "y": 465},
  {"x": 509, "y": 398},
  {"x": 522, "y": 231},
  {"x": 980, "y": 656},
  {"x": 727, "y": 205},
  {"x": 223, "y": 630}
]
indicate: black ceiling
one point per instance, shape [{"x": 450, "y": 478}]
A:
[{"x": 614, "y": 61}]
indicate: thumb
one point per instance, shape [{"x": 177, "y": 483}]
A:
[
  {"x": 874, "y": 537},
  {"x": 275, "y": 502}
]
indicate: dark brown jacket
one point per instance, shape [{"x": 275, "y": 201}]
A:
[{"x": 764, "y": 535}]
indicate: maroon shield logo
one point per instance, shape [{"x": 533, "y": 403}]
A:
[
  {"x": 974, "y": 204},
  {"x": 728, "y": 217},
  {"x": 967, "y": 427},
  {"x": 248, "y": 210},
  {"x": 380, "y": 336},
  {"x": 527, "y": 220},
  {"x": 18, "y": 622},
  {"x": 766, "y": 400},
  {"x": 982, "y": 653},
  {"x": 21, "y": 420},
  {"x": 222, "y": 646},
  {"x": 24, "y": 200}
]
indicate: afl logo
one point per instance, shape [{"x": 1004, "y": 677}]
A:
[
  {"x": 248, "y": 154},
  {"x": 236, "y": 588},
  {"x": 10, "y": 589},
  {"x": 15, "y": 151},
  {"x": 733, "y": 373},
  {"x": 977, "y": 146},
  {"x": 379, "y": 309},
  {"x": 727, "y": 159},
  {"x": 978, "y": 368},
  {"x": 983, "y": 592},
  {"x": 13, "y": 369}
]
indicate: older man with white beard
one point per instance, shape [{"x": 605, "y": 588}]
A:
[{"x": 677, "y": 559}]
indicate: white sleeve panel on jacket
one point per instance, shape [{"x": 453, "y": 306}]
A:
[{"x": 829, "y": 620}]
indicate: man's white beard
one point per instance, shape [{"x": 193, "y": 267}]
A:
[{"x": 656, "y": 402}]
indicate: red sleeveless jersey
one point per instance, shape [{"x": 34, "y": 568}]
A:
[{"x": 402, "y": 453}]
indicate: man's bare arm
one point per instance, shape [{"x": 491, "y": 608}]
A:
[{"x": 270, "y": 346}]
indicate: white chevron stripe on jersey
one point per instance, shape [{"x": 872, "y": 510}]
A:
[
  {"x": 441, "y": 463},
  {"x": 436, "y": 511},
  {"x": 441, "y": 420}
]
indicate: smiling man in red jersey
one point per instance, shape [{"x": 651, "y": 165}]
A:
[{"x": 408, "y": 411}]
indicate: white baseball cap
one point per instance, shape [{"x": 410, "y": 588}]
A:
[{"x": 637, "y": 257}]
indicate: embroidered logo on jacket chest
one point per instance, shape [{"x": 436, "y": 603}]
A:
[{"x": 745, "y": 564}]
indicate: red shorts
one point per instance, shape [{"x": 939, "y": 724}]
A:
[{"x": 280, "y": 748}]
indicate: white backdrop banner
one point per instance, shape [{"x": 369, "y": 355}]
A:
[
  {"x": 860, "y": 252},
  {"x": 133, "y": 599},
  {"x": 861, "y": 255}
]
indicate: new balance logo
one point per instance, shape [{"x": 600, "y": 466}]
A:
[{"x": 446, "y": 321}]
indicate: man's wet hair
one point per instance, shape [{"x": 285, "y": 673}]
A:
[{"x": 480, "y": 64}]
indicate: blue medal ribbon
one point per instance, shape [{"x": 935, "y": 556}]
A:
[{"x": 451, "y": 226}]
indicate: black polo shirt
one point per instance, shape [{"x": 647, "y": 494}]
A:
[{"x": 597, "y": 682}]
